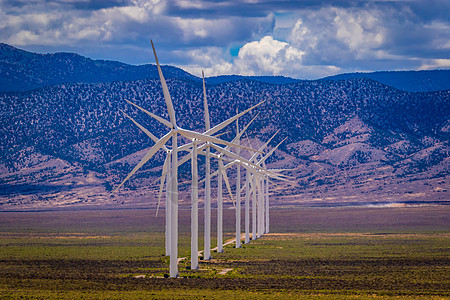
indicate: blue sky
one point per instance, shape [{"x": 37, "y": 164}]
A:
[{"x": 302, "y": 39}]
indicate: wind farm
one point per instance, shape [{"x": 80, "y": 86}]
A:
[{"x": 260, "y": 208}]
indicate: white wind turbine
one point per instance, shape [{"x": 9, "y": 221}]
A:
[
  {"x": 173, "y": 182},
  {"x": 194, "y": 192},
  {"x": 266, "y": 201},
  {"x": 207, "y": 212},
  {"x": 249, "y": 179},
  {"x": 165, "y": 172},
  {"x": 252, "y": 184},
  {"x": 194, "y": 195},
  {"x": 221, "y": 173},
  {"x": 262, "y": 209}
]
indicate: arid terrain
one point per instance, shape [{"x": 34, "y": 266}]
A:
[{"x": 335, "y": 253}]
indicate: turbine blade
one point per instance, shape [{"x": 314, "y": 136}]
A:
[
  {"x": 148, "y": 133},
  {"x": 167, "y": 97},
  {"x": 187, "y": 157},
  {"x": 230, "y": 164},
  {"x": 205, "y": 104},
  {"x": 147, "y": 156},
  {"x": 207, "y": 138},
  {"x": 163, "y": 179},
  {"x": 270, "y": 152},
  {"x": 228, "y": 153},
  {"x": 158, "y": 118},
  {"x": 227, "y": 182},
  {"x": 230, "y": 120},
  {"x": 220, "y": 134},
  {"x": 264, "y": 146},
  {"x": 217, "y": 172},
  {"x": 281, "y": 170},
  {"x": 185, "y": 147},
  {"x": 248, "y": 125},
  {"x": 248, "y": 141},
  {"x": 239, "y": 135},
  {"x": 238, "y": 159}
]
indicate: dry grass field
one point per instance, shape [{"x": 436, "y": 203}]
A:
[{"x": 332, "y": 253}]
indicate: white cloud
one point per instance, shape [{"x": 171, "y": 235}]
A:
[
  {"x": 60, "y": 25},
  {"x": 211, "y": 60},
  {"x": 267, "y": 56},
  {"x": 435, "y": 64},
  {"x": 361, "y": 31},
  {"x": 198, "y": 4},
  {"x": 335, "y": 35},
  {"x": 200, "y": 28},
  {"x": 264, "y": 57}
]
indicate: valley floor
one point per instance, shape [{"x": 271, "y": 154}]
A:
[{"x": 332, "y": 253}]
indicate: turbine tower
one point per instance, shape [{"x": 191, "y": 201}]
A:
[
  {"x": 238, "y": 192},
  {"x": 207, "y": 212}
]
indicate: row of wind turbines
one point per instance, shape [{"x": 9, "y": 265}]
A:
[{"x": 256, "y": 177}]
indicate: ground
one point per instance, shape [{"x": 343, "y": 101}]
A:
[{"x": 310, "y": 253}]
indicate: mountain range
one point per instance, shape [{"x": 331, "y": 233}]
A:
[
  {"x": 358, "y": 139},
  {"x": 22, "y": 70}
]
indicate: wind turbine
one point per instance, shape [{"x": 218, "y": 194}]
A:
[
  {"x": 262, "y": 207},
  {"x": 165, "y": 172},
  {"x": 252, "y": 179},
  {"x": 194, "y": 207},
  {"x": 258, "y": 200},
  {"x": 259, "y": 172}
]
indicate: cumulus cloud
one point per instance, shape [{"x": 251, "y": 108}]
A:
[
  {"x": 335, "y": 35},
  {"x": 60, "y": 26},
  {"x": 266, "y": 56}
]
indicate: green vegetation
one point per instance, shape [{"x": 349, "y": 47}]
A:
[{"x": 75, "y": 261}]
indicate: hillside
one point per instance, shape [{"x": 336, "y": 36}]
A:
[
  {"x": 23, "y": 71},
  {"x": 411, "y": 81},
  {"x": 350, "y": 142}
]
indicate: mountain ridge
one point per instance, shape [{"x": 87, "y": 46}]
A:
[
  {"x": 412, "y": 81},
  {"x": 22, "y": 70}
]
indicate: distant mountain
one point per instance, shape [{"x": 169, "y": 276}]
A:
[
  {"x": 349, "y": 142},
  {"x": 266, "y": 79},
  {"x": 411, "y": 81},
  {"x": 22, "y": 71}
]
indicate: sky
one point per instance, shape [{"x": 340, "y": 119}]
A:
[{"x": 305, "y": 39}]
